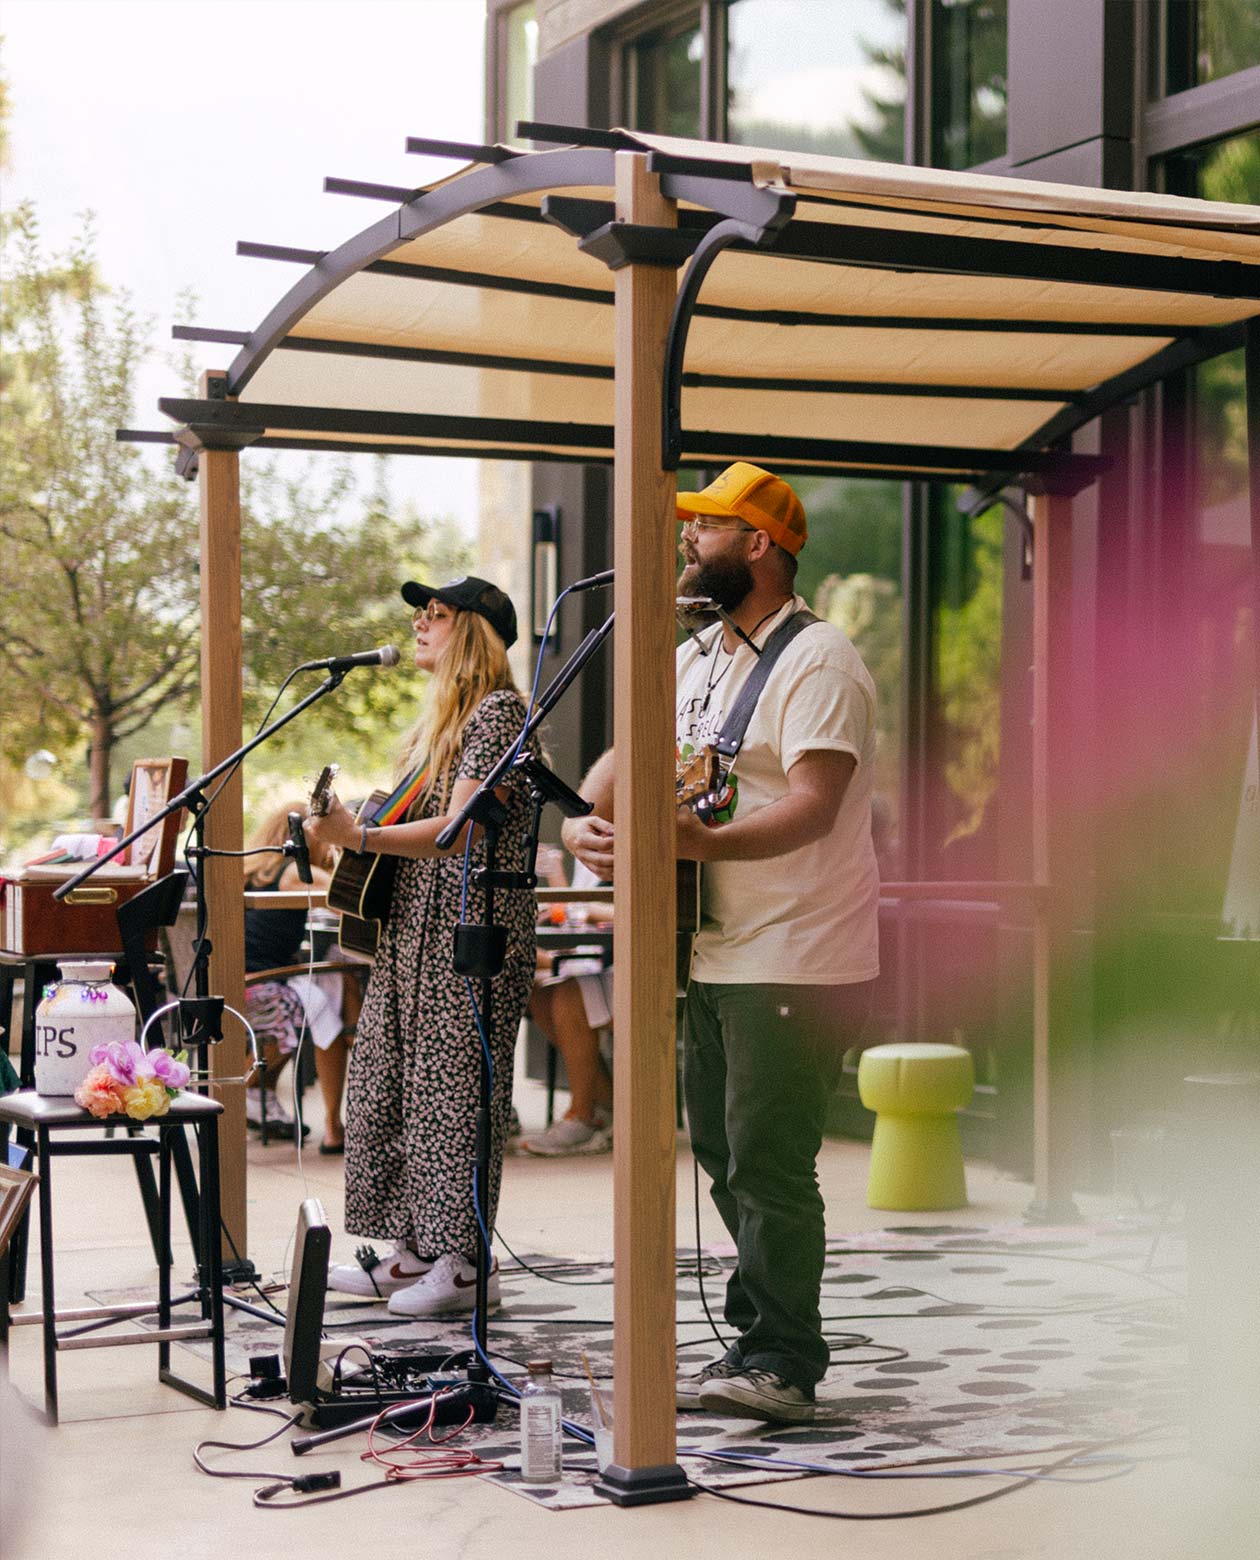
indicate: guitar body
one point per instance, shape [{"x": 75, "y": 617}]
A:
[
  {"x": 361, "y": 890},
  {"x": 688, "y": 898}
]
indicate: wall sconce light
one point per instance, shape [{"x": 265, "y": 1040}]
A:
[{"x": 545, "y": 570}]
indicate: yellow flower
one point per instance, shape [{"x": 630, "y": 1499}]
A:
[{"x": 146, "y": 1097}]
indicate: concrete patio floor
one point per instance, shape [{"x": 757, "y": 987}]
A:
[{"x": 117, "y": 1476}]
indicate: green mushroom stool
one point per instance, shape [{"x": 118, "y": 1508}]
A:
[{"x": 916, "y": 1153}]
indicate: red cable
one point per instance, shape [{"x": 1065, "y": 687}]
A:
[{"x": 405, "y": 1460}]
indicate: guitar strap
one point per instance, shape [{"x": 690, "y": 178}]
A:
[
  {"x": 731, "y": 737},
  {"x": 399, "y": 801}
]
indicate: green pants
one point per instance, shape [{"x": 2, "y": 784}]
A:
[{"x": 759, "y": 1063}]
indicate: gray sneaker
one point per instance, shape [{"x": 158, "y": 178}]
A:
[
  {"x": 757, "y": 1394},
  {"x": 571, "y": 1136},
  {"x": 687, "y": 1390}
]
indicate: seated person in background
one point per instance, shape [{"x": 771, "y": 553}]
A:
[
  {"x": 342, "y": 998},
  {"x": 276, "y": 1009},
  {"x": 569, "y": 1008}
]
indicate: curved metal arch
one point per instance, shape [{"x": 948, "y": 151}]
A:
[
  {"x": 733, "y": 231},
  {"x": 524, "y": 175}
]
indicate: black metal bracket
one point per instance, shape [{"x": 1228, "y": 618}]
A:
[
  {"x": 725, "y": 234},
  {"x": 463, "y": 151},
  {"x": 193, "y": 438},
  {"x": 619, "y": 244}
]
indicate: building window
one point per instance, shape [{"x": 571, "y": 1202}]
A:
[
  {"x": 965, "y": 692},
  {"x": 519, "y": 56},
  {"x": 817, "y": 78},
  {"x": 850, "y": 574},
  {"x": 1203, "y": 40},
  {"x": 664, "y": 76},
  {"x": 968, "y": 82},
  {"x": 1214, "y": 871},
  {"x": 789, "y": 74}
]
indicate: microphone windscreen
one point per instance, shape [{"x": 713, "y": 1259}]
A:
[{"x": 390, "y": 655}]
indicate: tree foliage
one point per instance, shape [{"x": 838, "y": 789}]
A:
[{"x": 99, "y": 589}]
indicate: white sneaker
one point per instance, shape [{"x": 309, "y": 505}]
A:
[
  {"x": 448, "y": 1288},
  {"x": 380, "y": 1277},
  {"x": 571, "y": 1135}
]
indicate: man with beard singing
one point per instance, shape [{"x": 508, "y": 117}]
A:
[{"x": 788, "y": 945}]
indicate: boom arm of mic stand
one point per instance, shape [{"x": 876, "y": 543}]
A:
[
  {"x": 546, "y": 702},
  {"x": 191, "y": 795}
]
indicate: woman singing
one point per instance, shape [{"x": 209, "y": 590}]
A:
[{"x": 415, "y": 1066}]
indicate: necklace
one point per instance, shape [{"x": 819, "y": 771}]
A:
[{"x": 715, "y": 677}]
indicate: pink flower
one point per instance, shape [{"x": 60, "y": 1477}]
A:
[
  {"x": 98, "y": 1093},
  {"x": 169, "y": 1070},
  {"x": 124, "y": 1058}
]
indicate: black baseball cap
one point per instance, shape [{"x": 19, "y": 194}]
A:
[{"x": 469, "y": 594}]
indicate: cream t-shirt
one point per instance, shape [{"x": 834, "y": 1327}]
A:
[{"x": 810, "y": 916}]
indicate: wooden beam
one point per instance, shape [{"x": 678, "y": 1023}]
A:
[
  {"x": 1054, "y": 1058},
  {"x": 220, "y": 496},
  {"x": 644, "y": 1439}
]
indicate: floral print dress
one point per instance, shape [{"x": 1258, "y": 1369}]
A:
[{"x": 415, "y": 1066}]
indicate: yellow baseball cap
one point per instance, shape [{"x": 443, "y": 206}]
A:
[{"x": 746, "y": 492}]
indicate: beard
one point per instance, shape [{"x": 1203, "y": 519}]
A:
[{"x": 727, "y": 580}]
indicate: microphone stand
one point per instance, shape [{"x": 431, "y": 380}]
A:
[
  {"x": 480, "y": 948},
  {"x": 203, "y": 1012}
]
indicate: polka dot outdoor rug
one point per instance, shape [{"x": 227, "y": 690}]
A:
[{"x": 948, "y": 1342}]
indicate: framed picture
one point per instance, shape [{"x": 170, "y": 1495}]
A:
[
  {"x": 153, "y": 782},
  {"x": 16, "y": 1190}
]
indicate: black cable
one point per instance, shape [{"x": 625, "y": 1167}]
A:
[
  {"x": 265, "y": 1499},
  {"x": 924, "y": 1511},
  {"x": 253, "y": 1282},
  {"x": 246, "y": 1446},
  {"x": 695, "y": 1182},
  {"x": 567, "y": 1283}
]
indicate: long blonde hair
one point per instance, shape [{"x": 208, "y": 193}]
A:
[{"x": 473, "y": 664}]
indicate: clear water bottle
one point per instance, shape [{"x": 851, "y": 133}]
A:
[{"x": 540, "y": 1425}]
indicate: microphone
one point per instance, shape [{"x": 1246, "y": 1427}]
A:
[
  {"x": 606, "y": 578},
  {"x": 301, "y": 850},
  {"x": 387, "y": 655}
]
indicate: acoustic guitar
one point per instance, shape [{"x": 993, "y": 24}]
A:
[
  {"x": 362, "y": 889},
  {"x": 362, "y": 885}
]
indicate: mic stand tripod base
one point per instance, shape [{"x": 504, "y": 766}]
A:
[{"x": 643, "y": 1486}]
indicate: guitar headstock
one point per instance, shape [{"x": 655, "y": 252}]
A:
[
  {"x": 321, "y": 793},
  {"x": 697, "y": 776}
]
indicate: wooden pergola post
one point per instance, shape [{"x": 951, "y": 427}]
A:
[
  {"x": 643, "y": 1006},
  {"x": 1055, "y": 1080},
  {"x": 219, "y": 485}
]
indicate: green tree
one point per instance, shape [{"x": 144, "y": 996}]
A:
[
  {"x": 883, "y": 136},
  {"x": 99, "y": 593},
  {"x": 969, "y": 666}
]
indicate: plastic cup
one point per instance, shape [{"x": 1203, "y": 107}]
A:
[{"x": 602, "y": 1426}]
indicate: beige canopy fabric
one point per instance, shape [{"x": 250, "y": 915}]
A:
[{"x": 928, "y": 323}]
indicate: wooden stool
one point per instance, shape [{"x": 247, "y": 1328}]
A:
[
  {"x": 43, "y": 1115},
  {"x": 916, "y": 1153}
]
